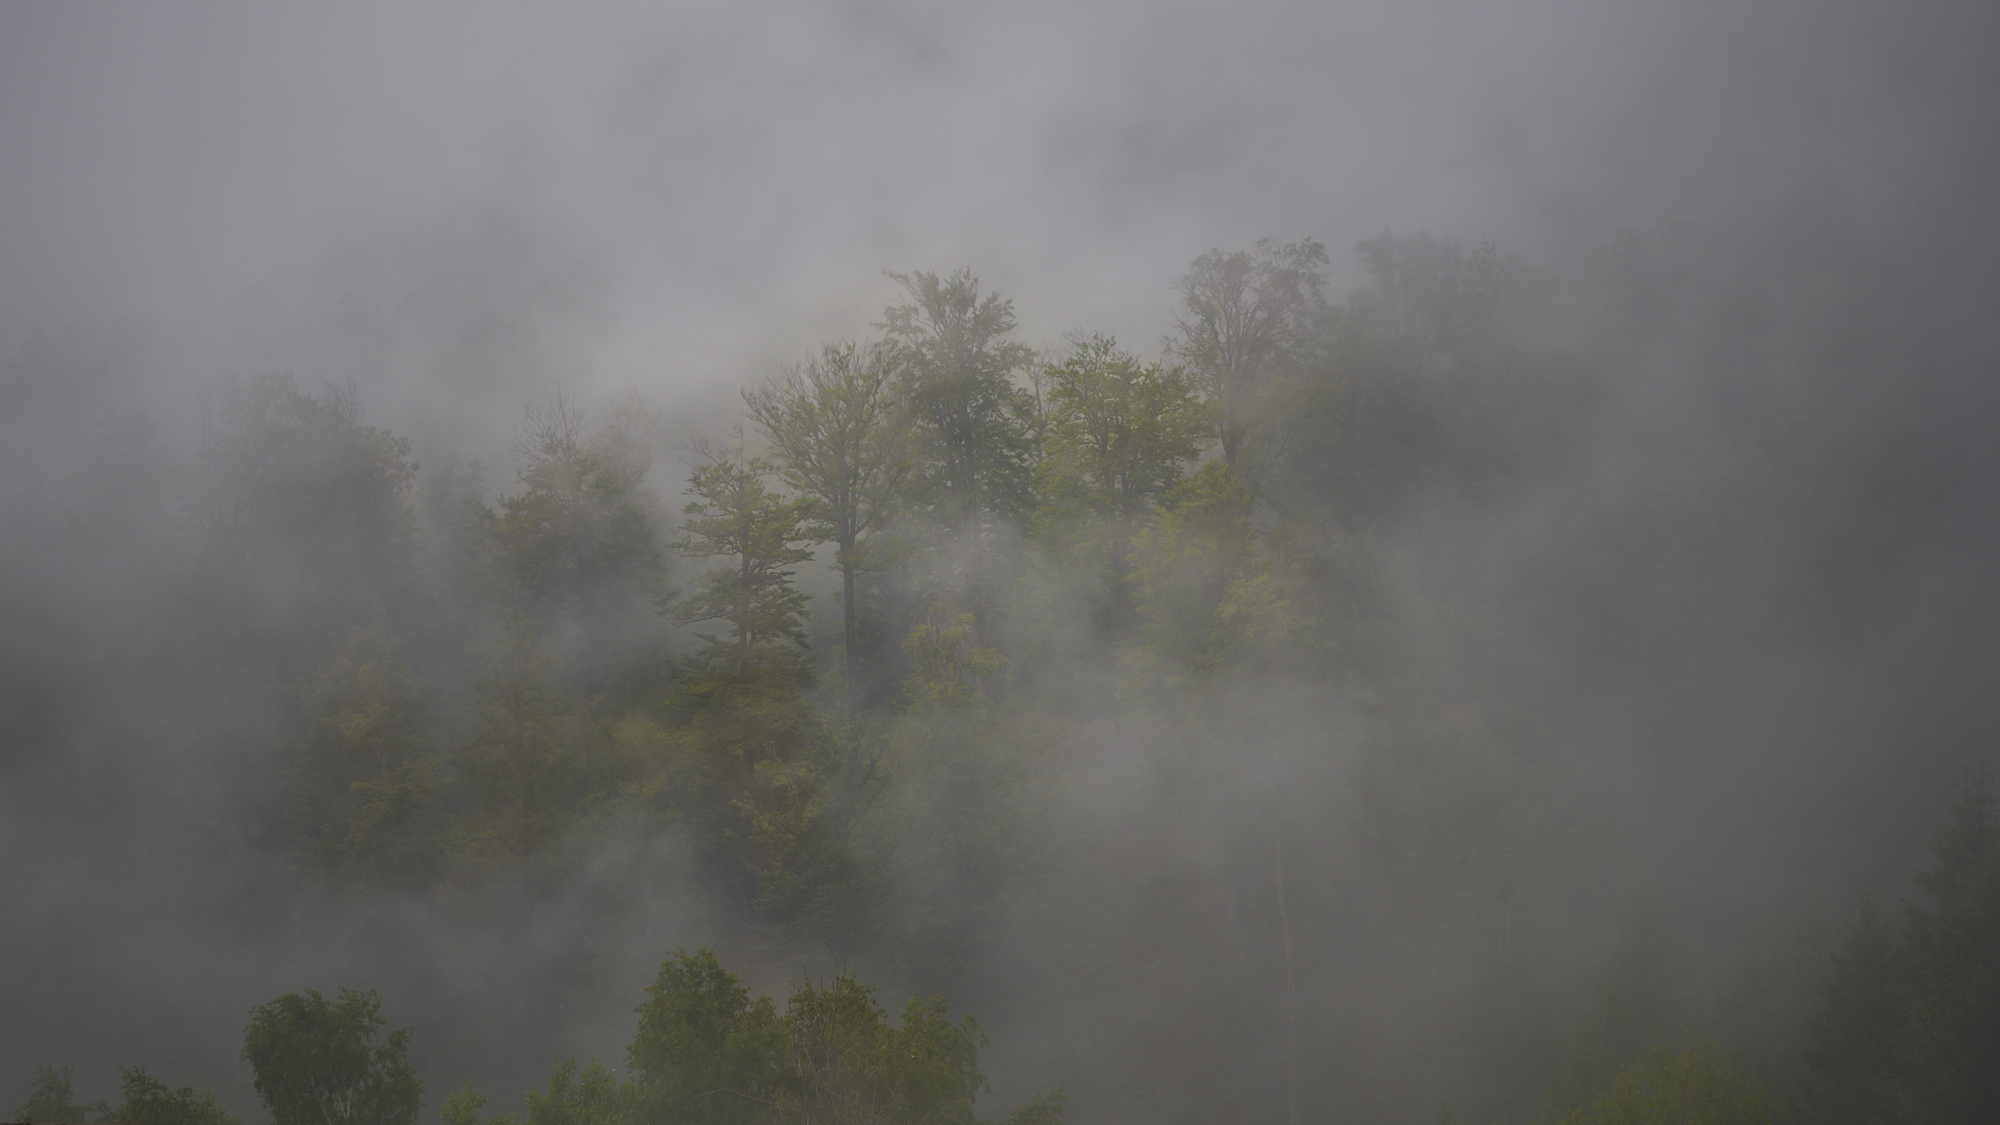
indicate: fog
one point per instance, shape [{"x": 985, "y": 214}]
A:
[{"x": 1694, "y": 665}]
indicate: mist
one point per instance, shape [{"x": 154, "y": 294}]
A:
[{"x": 1626, "y": 604}]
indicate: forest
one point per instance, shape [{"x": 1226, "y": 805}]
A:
[{"x": 1150, "y": 701}]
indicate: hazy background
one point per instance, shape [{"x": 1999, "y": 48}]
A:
[{"x": 458, "y": 207}]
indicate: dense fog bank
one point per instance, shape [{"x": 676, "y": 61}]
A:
[{"x": 513, "y": 529}]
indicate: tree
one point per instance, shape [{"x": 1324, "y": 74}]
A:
[
  {"x": 705, "y": 1052},
  {"x": 145, "y": 1100},
  {"x": 1121, "y": 433},
  {"x": 582, "y": 527},
  {"x": 51, "y": 1098},
  {"x": 848, "y": 1064},
  {"x": 1953, "y": 1042},
  {"x": 307, "y": 513},
  {"x": 735, "y": 516},
  {"x": 841, "y": 438},
  {"x": 1197, "y": 548},
  {"x": 957, "y": 377},
  {"x": 321, "y": 1062},
  {"x": 519, "y": 760},
  {"x": 363, "y": 783},
  {"x": 1243, "y": 319},
  {"x": 1854, "y": 1036},
  {"x": 576, "y": 1095}
]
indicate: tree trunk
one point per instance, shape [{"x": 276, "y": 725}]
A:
[{"x": 847, "y": 616}]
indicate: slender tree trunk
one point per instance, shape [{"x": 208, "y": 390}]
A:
[{"x": 847, "y": 616}]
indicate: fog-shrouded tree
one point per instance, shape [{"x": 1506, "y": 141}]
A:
[
  {"x": 734, "y": 516},
  {"x": 519, "y": 763},
  {"x": 1853, "y": 1037},
  {"x": 957, "y": 371},
  {"x": 841, "y": 435},
  {"x": 145, "y": 1100},
  {"x": 1953, "y": 942},
  {"x": 745, "y": 685},
  {"x": 305, "y": 518},
  {"x": 705, "y": 1051},
  {"x": 1121, "y": 433},
  {"x": 52, "y": 1097},
  {"x": 362, "y": 781},
  {"x": 581, "y": 530},
  {"x": 1243, "y": 321},
  {"x": 326, "y": 1062}
]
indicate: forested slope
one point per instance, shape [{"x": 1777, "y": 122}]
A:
[{"x": 1346, "y": 708}]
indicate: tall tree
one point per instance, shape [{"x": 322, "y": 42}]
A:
[
  {"x": 582, "y": 524},
  {"x": 1121, "y": 433},
  {"x": 1954, "y": 944},
  {"x": 305, "y": 513},
  {"x": 734, "y": 516},
  {"x": 1851, "y": 1050},
  {"x": 325, "y": 1062},
  {"x": 1243, "y": 319},
  {"x": 840, "y": 433},
  {"x": 747, "y": 686},
  {"x": 957, "y": 375},
  {"x": 705, "y": 1052},
  {"x": 520, "y": 761}
]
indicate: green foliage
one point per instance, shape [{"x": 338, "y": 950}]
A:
[
  {"x": 321, "y": 1062},
  {"x": 581, "y": 530},
  {"x": 51, "y": 1098},
  {"x": 1245, "y": 319},
  {"x": 1692, "y": 1086},
  {"x": 842, "y": 441},
  {"x": 587, "y": 1095},
  {"x": 975, "y": 456},
  {"x": 364, "y": 794},
  {"x": 1630, "y": 1009},
  {"x": 847, "y": 1063},
  {"x": 735, "y": 517},
  {"x": 521, "y": 763},
  {"x": 1195, "y": 551},
  {"x": 462, "y": 1108},
  {"x": 705, "y": 1053},
  {"x": 145, "y": 1100},
  {"x": 1119, "y": 436},
  {"x": 948, "y": 668}
]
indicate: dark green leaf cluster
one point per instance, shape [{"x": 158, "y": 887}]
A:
[{"x": 325, "y": 1062}]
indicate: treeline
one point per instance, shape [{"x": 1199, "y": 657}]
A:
[
  {"x": 1906, "y": 1028},
  {"x": 1023, "y": 543},
  {"x": 1136, "y": 695},
  {"x": 705, "y": 1053}
]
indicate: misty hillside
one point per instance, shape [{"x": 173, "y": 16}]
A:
[{"x": 1402, "y": 564}]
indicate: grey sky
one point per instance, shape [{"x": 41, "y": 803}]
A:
[{"x": 662, "y": 195}]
